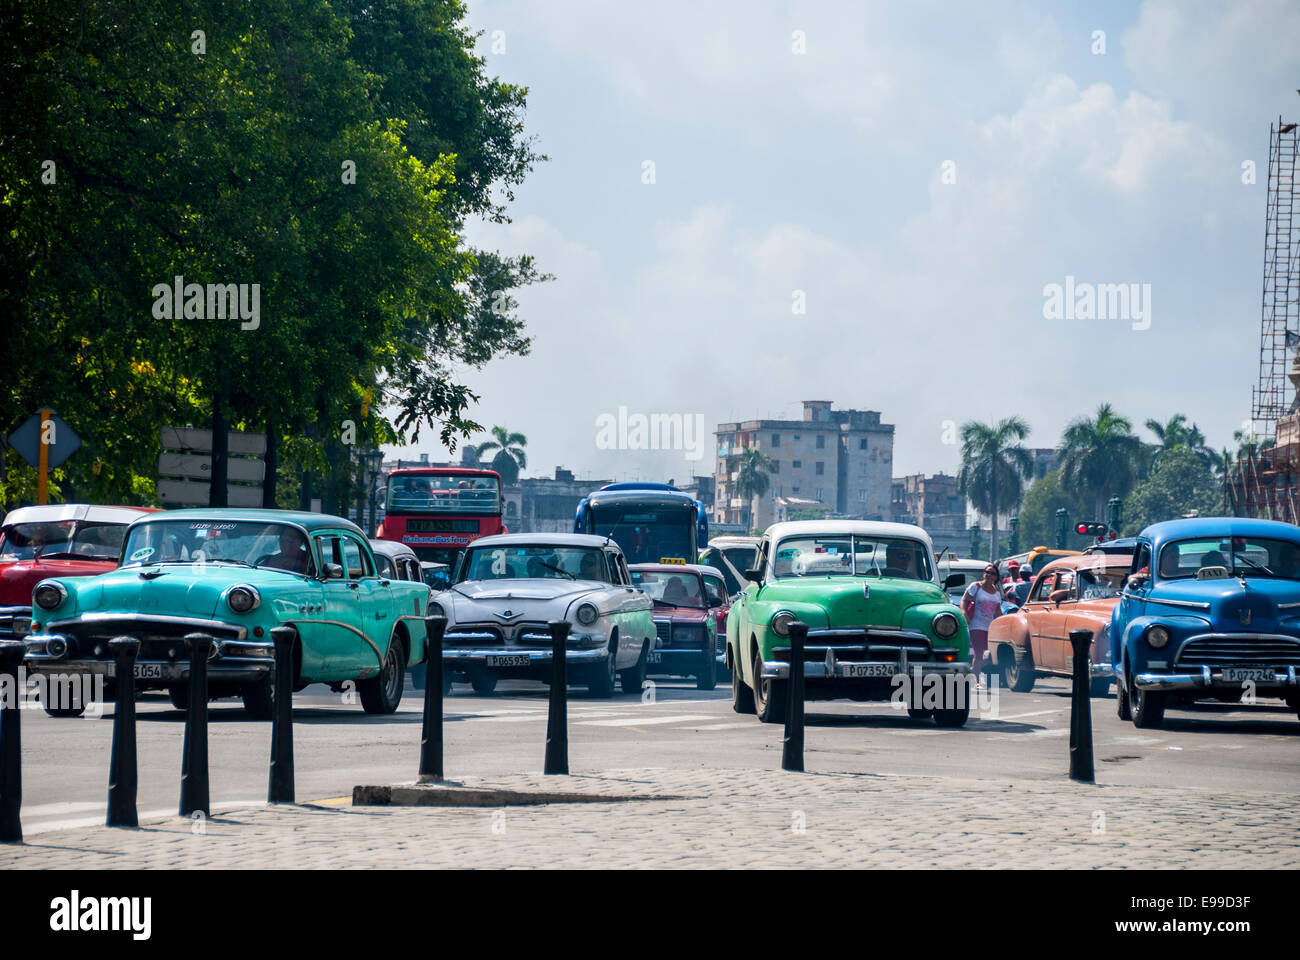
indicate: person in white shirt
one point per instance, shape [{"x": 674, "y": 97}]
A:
[{"x": 981, "y": 603}]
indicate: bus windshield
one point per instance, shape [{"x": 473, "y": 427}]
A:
[
  {"x": 647, "y": 536},
  {"x": 443, "y": 495}
]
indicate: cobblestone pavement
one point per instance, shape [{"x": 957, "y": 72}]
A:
[{"x": 729, "y": 818}]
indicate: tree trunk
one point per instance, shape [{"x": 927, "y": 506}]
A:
[
  {"x": 993, "y": 520},
  {"x": 218, "y": 495},
  {"x": 272, "y": 464}
]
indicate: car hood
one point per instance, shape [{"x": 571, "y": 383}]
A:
[
  {"x": 845, "y": 602},
  {"x": 1251, "y": 607},
  {"x": 539, "y": 599},
  {"x": 682, "y": 614},
  {"x": 167, "y": 589},
  {"x": 18, "y": 577}
]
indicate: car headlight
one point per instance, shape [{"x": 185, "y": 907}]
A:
[
  {"x": 243, "y": 598},
  {"x": 944, "y": 625},
  {"x": 436, "y": 610},
  {"x": 587, "y": 614},
  {"x": 1157, "y": 637},
  {"x": 781, "y": 621},
  {"x": 49, "y": 594}
]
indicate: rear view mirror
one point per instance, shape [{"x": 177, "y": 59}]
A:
[
  {"x": 333, "y": 571},
  {"x": 1056, "y": 596}
]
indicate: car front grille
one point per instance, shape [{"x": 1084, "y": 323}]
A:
[
  {"x": 159, "y": 639},
  {"x": 1226, "y": 649},
  {"x": 664, "y": 629},
  {"x": 865, "y": 645},
  {"x": 473, "y": 634}
]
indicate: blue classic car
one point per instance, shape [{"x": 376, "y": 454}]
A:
[{"x": 1211, "y": 609}]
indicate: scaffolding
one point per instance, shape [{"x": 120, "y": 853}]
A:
[{"x": 1263, "y": 480}]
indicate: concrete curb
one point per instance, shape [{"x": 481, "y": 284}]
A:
[{"x": 451, "y": 794}]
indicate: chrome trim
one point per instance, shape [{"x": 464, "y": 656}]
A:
[
  {"x": 51, "y": 582},
  {"x": 241, "y": 633},
  {"x": 814, "y": 669},
  {"x": 346, "y": 626},
  {"x": 15, "y": 611},
  {"x": 1288, "y": 606},
  {"x": 1205, "y": 679},
  {"x": 257, "y": 597},
  {"x": 537, "y": 655},
  {"x": 1191, "y": 604}
]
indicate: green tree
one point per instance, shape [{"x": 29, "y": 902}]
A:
[
  {"x": 1177, "y": 433},
  {"x": 1180, "y": 483},
  {"x": 993, "y": 467},
  {"x": 751, "y": 478},
  {"x": 1100, "y": 458},
  {"x": 510, "y": 457},
  {"x": 1043, "y": 497}
]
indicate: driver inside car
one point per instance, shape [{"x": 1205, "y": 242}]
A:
[
  {"x": 292, "y": 555},
  {"x": 900, "y": 560}
]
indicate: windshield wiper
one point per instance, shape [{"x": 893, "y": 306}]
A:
[
  {"x": 1257, "y": 566},
  {"x": 543, "y": 563}
]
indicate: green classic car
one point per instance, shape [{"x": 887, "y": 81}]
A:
[
  {"x": 880, "y": 627},
  {"x": 234, "y": 575}
]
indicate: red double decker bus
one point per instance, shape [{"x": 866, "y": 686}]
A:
[{"x": 438, "y": 511}]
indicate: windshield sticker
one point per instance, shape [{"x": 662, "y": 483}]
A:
[{"x": 142, "y": 553}]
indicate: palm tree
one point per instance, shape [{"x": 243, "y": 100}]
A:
[
  {"x": 751, "y": 478},
  {"x": 1100, "y": 457},
  {"x": 510, "y": 458},
  {"x": 1175, "y": 433},
  {"x": 993, "y": 468}
]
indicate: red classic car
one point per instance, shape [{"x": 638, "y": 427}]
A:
[
  {"x": 684, "y": 620},
  {"x": 715, "y": 587},
  {"x": 1072, "y": 593},
  {"x": 57, "y": 540}
]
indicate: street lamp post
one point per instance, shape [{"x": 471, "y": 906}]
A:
[{"x": 374, "y": 461}]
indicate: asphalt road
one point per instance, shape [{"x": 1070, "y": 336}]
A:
[{"x": 337, "y": 746}]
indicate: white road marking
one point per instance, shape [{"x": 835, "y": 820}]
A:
[
  {"x": 728, "y": 726},
  {"x": 48, "y": 826},
  {"x": 634, "y": 721},
  {"x": 1021, "y": 716}
]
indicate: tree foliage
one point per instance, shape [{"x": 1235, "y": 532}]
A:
[
  {"x": 1181, "y": 482},
  {"x": 993, "y": 467},
  {"x": 328, "y": 153}
]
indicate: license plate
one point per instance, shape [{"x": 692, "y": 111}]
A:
[
  {"x": 509, "y": 661},
  {"x": 867, "y": 669},
  {"x": 654, "y": 658},
  {"x": 148, "y": 671},
  {"x": 1243, "y": 674}
]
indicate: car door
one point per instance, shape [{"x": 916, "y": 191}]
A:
[
  {"x": 1037, "y": 611},
  {"x": 1054, "y": 634},
  {"x": 339, "y": 639},
  {"x": 375, "y": 605}
]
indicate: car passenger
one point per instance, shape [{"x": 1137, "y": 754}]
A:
[
  {"x": 589, "y": 567},
  {"x": 292, "y": 555}
]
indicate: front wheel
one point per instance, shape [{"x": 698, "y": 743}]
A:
[
  {"x": 382, "y": 693},
  {"x": 742, "y": 698},
  {"x": 708, "y": 678},
  {"x": 952, "y": 717},
  {"x": 602, "y": 676},
  {"x": 179, "y": 695},
  {"x": 484, "y": 682},
  {"x": 1148, "y": 708},
  {"x": 769, "y": 694},
  {"x": 633, "y": 678},
  {"x": 1123, "y": 706}
]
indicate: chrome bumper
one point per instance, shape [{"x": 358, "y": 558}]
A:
[
  {"x": 1208, "y": 679},
  {"x": 466, "y": 656},
  {"x": 15, "y": 622},
  {"x": 852, "y": 670},
  {"x": 231, "y": 660}
]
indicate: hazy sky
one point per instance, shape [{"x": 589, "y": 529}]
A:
[{"x": 921, "y": 173}]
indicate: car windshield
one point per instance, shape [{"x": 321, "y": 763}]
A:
[
  {"x": 742, "y": 558},
  {"x": 716, "y": 589},
  {"x": 248, "y": 542},
  {"x": 534, "y": 562},
  {"x": 1100, "y": 584},
  {"x": 1207, "y": 557},
  {"x": 683, "y": 589},
  {"x": 849, "y": 556},
  {"x": 63, "y": 539}
]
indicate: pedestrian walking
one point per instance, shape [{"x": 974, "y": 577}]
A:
[{"x": 981, "y": 603}]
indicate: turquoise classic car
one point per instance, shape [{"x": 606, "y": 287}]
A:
[
  {"x": 880, "y": 626},
  {"x": 234, "y": 575}
]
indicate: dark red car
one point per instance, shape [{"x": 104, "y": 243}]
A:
[
  {"x": 686, "y": 617},
  {"x": 56, "y": 540}
]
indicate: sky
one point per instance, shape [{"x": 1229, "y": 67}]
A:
[{"x": 869, "y": 202}]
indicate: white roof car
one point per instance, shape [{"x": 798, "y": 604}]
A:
[
  {"x": 56, "y": 512},
  {"x": 779, "y": 532}
]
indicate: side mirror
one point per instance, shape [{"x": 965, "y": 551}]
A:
[
  {"x": 333, "y": 571},
  {"x": 1136, "y": 582},
  {"x": 1056, "y": 596},
  {"x": 715, "y": 602},
  {"x": 953, "y": 580},
  {"x": 754, "y": 575}
]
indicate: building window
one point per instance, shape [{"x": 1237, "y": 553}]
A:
[
  {"x": 862, "y": 444},
  {"x": 794, "y": 489},
  {"x": 821, "y": 467},
  {"x": 776, "y": 440},
  {"x": 776, "y": 466},
  {"x": 797, "y": 464},
  {"x": 821, "y": 441},
  {"x": 862, "y": 496},
  {"x": 864, "y": 466},
  {"x": 820, "y": 494}
]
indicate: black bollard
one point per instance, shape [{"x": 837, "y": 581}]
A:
[
  {"x": 280, "y": 789},
  {"x": 792, "y": 742},
  {"x": 431, "y": 735},
  {"x": 122, "y": 766},
  {"x": 194, "y": 762},
  {"x": 557, "y": 724},
  {"x": 1081, "y": 709},
  {"x": 11, "y": 741}
]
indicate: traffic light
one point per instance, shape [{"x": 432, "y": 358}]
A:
[
  {"x": 1097, "y": 530},
  {"x": 1062, "y": 525}
]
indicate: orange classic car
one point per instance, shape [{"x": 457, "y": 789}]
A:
[{"x": 1071, "y": 593}]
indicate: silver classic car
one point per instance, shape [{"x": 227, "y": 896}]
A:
[{"x": 506, "y": 589}]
